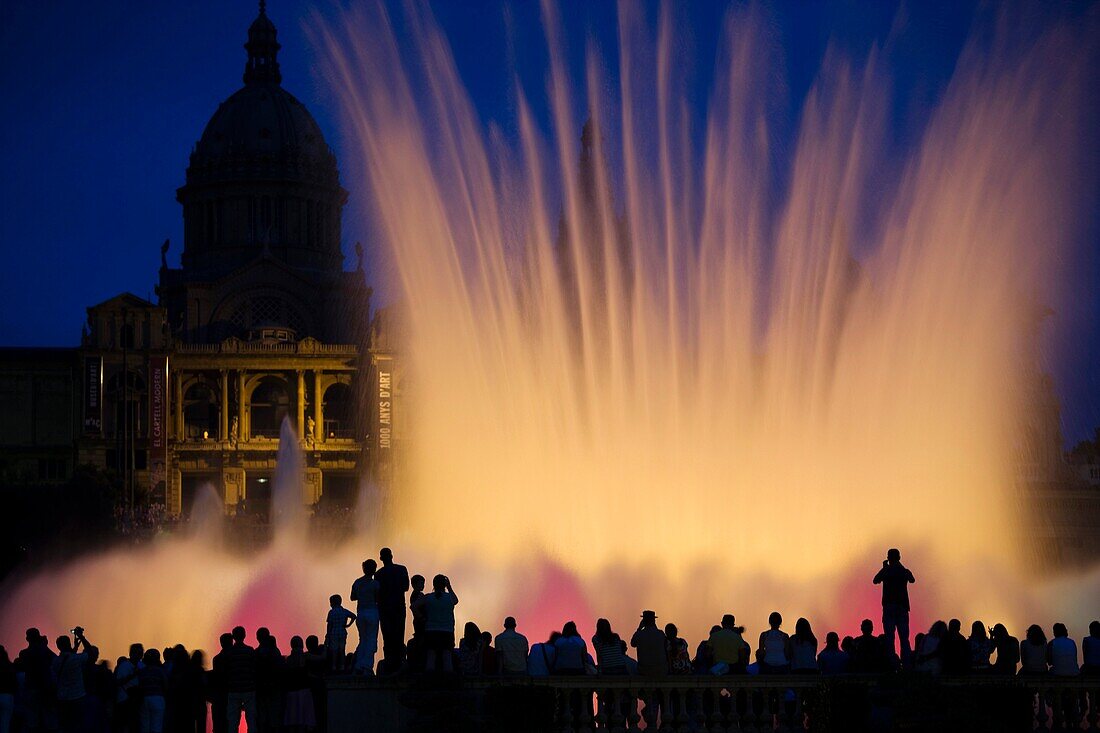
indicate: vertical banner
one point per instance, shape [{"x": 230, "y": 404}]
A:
[
  {"x": 158, "y": 412},
  {"x": 385, "y": 410},
  {"x": 93, "y": 394}
]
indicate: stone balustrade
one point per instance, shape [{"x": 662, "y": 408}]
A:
[{"x": 708, "y": 704}]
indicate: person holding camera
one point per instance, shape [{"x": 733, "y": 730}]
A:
[
  {"x": 438, "y": 608},
  {"x": 895, "y": 579},
  {"x": 68, "y": 673}
]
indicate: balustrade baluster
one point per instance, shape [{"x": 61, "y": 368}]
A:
[
  {"x": 1094, "y": 708},
  {"x": 1041, "y": 716},
  {"x": 745, "y": 703},
  {"x": 790, "y": 713},
  {"x": 603, "y": 714},
  {"x": 565, "y": 710},
  {"x": 584, "y": 713},
  {"x": 1077, "y": 709},
  {"x": 714, "y": 713},
  {"x": 770, "y": 700},
  {"x": 616, "y": 720},
  {"x": 632, "y": 715},
  {"x": 1057, "y": 717},
  {"x": 681, "y": 718}
]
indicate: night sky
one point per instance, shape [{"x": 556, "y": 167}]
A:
[{"x": 103, "y": 102}]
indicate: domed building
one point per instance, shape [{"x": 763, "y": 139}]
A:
[
  {"x": 259, "y": 328},
  {"x": 261, "y": 212}
]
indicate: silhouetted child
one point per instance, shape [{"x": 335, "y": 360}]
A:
[
  {"x": 336, "y": 636},
  {"x": 417, "y": 582}
]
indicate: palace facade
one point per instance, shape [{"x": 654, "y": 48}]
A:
[{"x": 258, "y": 327}]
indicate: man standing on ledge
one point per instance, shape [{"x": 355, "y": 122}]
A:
[
  {"x": 895, "y": 579},
  {"x": 393, "y": 584}
]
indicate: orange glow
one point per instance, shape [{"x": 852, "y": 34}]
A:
[{"x": 735, "y": 420}]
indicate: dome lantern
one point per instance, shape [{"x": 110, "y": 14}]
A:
[{"x": 263, "y": 50}]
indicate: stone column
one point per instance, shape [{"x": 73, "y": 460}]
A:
[
  {"x": 223, "y": 423},
  {"x": 301, "y": 405},
  {"x": 243, "y": 426},
  {"x": 318, "y": 429}
]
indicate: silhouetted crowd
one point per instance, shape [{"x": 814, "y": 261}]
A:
[{"x": 173, "y": 691}]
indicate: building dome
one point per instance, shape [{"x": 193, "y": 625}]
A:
[
  {"x": 262, "y": 180},
  {"x": 261, "y": 121}
]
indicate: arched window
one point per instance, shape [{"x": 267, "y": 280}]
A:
[
  {"x": 270, "y": 405},
  {"x": 201, "y": 412},
  {"x": 339, "y": 412}
]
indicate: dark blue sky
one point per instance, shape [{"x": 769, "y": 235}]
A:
[{"x": 103, "y": 102}]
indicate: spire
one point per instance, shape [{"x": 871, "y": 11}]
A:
[{"x": 263, "y": 49}]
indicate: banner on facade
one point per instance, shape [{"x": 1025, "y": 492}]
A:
[
  {"x": 93, "y": 394},
  {"x": 385, "y": 410},
  {"x": 158, "y": 414}
]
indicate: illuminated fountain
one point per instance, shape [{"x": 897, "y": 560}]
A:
[{"x": 687, "y": 381}]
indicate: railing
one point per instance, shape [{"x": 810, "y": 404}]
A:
[
  {"x": 248, "y": 347},
  {"x": 708, "y": 704}
]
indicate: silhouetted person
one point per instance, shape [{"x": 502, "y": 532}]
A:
[
  {"x": 488, "y": 657},
  {"x": 468, "y": 661},
  {"x": 438, "y": 608},
  {"x": 679, "y": 663},
  {"x": 895, "y": 579},
  {"x": 269, "y": 691},
  {"x": 776, "y": 645},
  {"x": 99, "y": 682},
  {"x": 218, "y": 692},
  {"x": 316, "y": 666},
  {"x": 128, "y": 707},
  {"x": 728, "y": 647},
  {"x": 1033, "y": 652},
  {"x": 607, "y": 647},
  {"x": 417, "y": 583},
  {"x": 393, "y": 584},
  {"x": 929, "y": 655},
  {"x": 153, "y": 683},
  {"x": 512, "y": 647},
  {"x": 175, "y": 663},
  {"x": 866, "y": 654},
  {"x": 652, "y": 647},
  {"x": 833, "y": 660},
  {"x": 365, "y": 592},
  {"x": 570, "y": 651},
  {"x": 803, "y": 646},
  {"x": 336, "y": 631},
  {"x": 36, "y": 661},
  {"x": 1090, "y": 651},
  {"x": 68, "y": 676},
  {"x": 1062, "y": 653},
  {"x": 197, "y": 692},
  {"x": 540, "y": 661},
  {"x": 240, "y": 683},
  {"x": 955, "y": 650},
  {"x": 981, "y": 648},
  {"x": 704, "y": 654},
  {"x": 679, "y": 655},
  {"x": 300, "y": 715},
  {"x": 1008, "y": 651},
  {"x": 7, "y": 690}
]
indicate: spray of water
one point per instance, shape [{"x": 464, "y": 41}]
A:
[{"x": 692, "y": 380}]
